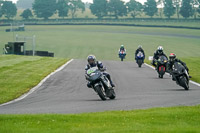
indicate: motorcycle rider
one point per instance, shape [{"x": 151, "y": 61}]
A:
[
  {"x": 93, "y": 63},
  {"x": 122, "y": 49},
  {"x": 159, "y": 52},
  {"x": 172, "y": 60},
  {"x": 139, "y": 50}
]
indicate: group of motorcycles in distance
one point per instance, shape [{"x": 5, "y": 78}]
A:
[{"x": 179, "y": 73}]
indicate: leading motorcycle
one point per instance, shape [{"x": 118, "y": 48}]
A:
[{"x": 100, "y": 83}]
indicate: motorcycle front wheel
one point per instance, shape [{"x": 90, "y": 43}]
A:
[
  {"x": 101, "y": 93},
  {"x": 184, "y": 83},
  {"x": 112, "y": 94}
]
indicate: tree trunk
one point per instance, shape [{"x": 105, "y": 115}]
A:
[
  {"x": 177, "y": 11},
  {"x": 195, "y": 13},
  {"x": 161, "y": 11},
  {"x": 116, "y": 17}
]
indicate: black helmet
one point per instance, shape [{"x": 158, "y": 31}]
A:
[
  {"x": 172, "y": 57},
  {"x": 160, "y": 50},
  {"x": 91, "y": 59}
]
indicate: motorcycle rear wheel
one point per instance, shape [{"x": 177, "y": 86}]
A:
[
  {"x": 139, "y": 63},
  {"x": 161, "y": 72}
]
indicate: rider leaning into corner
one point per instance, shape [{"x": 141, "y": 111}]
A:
[
  {"x": 139, "y": 50},
  {"x": 172, "y": 60},
  {"x": 93, "y": 63},
  {"x": 159, "y": 52},
  {"x": 122, "y": 49}
]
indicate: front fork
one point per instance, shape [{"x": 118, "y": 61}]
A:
[{"x": 106, "y": 82}]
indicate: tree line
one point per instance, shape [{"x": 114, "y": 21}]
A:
[{"x": 104, "y": 8}]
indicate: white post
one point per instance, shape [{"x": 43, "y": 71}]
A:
[
  {"x": 33, "y": 45},
  {"x": 25, "y": 45},
  {"x": 16, "y": 37}
]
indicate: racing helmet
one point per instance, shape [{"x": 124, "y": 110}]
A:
[
  {"x": 140, "y": 47},
  {"x": 91, "y": 59},
  {"x": 122, "y": 46},
  {"x": 172, "y": 57},
  {"x": 160, "y": 50}
]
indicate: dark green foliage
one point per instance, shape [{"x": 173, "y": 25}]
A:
[
  {"x": 169, "y": 9},
  {"x": 9, "y": 9},
  {"x": 75, "y": 5},
  {"x": 195, "y": 6},
  {"x": 186, "y": 8},
  {"x": 134, "y": 7},
  {"x": 99, "y": 8},
  {"x": 26, "y": 14},
  {"x": 44, "y": 8},
  {"x": 150, "y": 8},
  {"x": 117, "y": 8},
  {"x": 63, "y": 8}
]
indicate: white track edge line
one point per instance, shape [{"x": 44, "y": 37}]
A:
[
  {"x": 40, "y": 84},
  {"x": 193, "y": 82}
]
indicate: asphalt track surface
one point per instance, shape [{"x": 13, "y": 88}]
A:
[{"x": 136, "y": 88}]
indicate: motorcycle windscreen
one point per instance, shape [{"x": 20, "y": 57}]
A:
[
  {"x": 91, "y": 70},
  {"x": 93, "y": 73},
  {"x": 162, "y": 60},
  {"x": 95, "y": 76}
]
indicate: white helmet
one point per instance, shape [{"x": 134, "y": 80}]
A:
[{"x": 160, "y": 49}]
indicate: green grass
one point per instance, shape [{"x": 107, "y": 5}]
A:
[
  {"x": 104, "y": 41},
  {"x": 173, "y": 119},
  {"x": 18, "y": 74}
]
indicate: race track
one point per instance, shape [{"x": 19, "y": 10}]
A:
[{"x": 136, "y": 88}]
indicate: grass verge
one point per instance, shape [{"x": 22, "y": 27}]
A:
[
  {"x": 173, "y": 119},
  {"x": 18, "y": 74}
]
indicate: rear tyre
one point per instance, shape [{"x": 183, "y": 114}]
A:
[
  {"x": 161, "y": 72},
  {"x": 101, "y": 93},
  {"x": 139, "y": 63}
]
